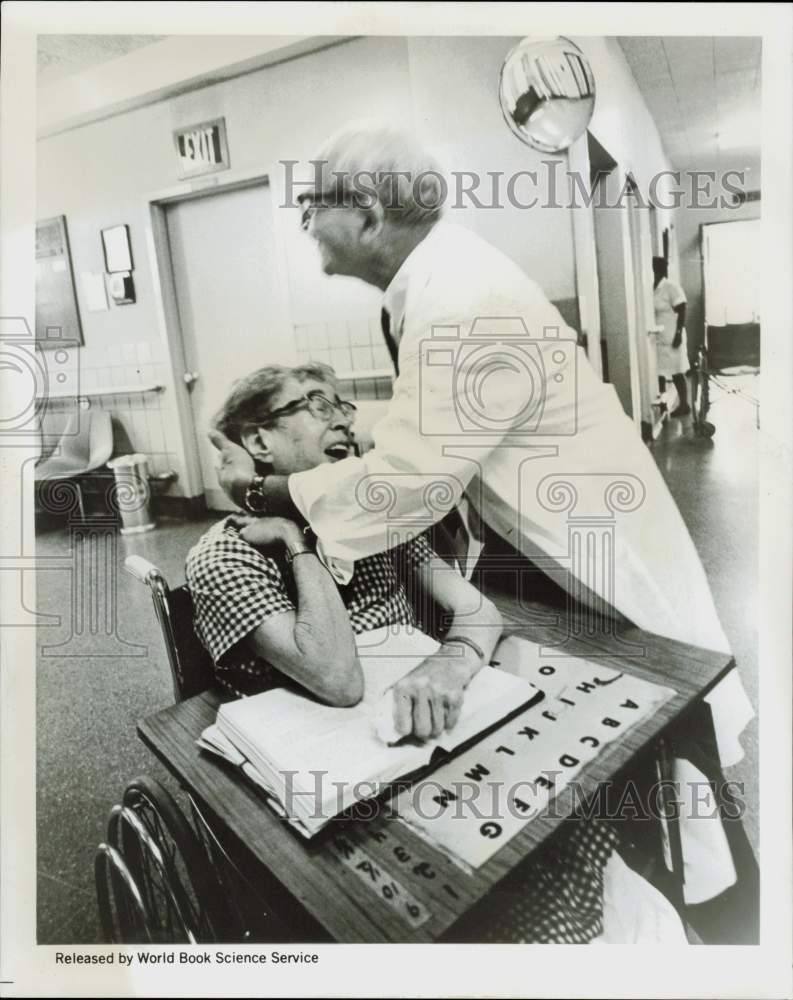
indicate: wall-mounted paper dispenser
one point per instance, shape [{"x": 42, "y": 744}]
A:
[{"x": 121, "y": 288}]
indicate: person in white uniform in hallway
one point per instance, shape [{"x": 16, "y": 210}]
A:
[
  {"x": 669, "y": 304},
  {"x": 493, "y": 400}
]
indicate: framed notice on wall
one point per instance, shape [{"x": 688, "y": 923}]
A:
[
  {"x": 201, "y": 149},
  {"x": 57, "y": 315},
  {"x": 118, "y": 254}
]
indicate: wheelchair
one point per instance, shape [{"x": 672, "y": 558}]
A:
[
  {"x": 700, "y": 396},
  {"x": 162, "y": 878}
]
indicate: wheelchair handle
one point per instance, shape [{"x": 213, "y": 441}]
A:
[{"x": 142, "y": 569}]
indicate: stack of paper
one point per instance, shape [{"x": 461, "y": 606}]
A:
[{"x": 317, "y": 761}]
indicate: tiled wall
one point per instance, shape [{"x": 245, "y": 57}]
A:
[
  {"x": 142, "y": 421},
  {"x": 352, "y": 347}
]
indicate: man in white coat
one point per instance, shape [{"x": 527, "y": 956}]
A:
[{"x": 494, "y": 405}]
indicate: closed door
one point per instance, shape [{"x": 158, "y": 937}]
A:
[{"x": 222, "y": 252}]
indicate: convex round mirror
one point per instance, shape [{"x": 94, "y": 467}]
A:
[{"x": 547, "y": 92}]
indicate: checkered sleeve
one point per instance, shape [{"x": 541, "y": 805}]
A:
[
  {"x": 407, "y": 559},
  {"x": 234, "y": 588},
  {"x": 413, "y": 554}
]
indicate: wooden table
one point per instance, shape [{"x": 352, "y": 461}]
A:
[{"x": 377, "y": 881}]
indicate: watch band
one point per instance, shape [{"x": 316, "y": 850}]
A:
[
  {"x": 255, "y": 501},
  {"x": 465, "y": 641},
  {"x": 293, "y": 551}
]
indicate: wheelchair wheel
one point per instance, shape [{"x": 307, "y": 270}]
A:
[
  {"x": 240, "y": 909},
  {"x": 254, "y": 905},
  {"x": 122, "y": 912},
  {"x": 166, "y": 860},
  {"x": 700, "y": 401}
]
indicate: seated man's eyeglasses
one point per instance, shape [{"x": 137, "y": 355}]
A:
[{"x": 317, "y": 404}]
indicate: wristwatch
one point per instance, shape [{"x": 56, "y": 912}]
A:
[
  {"x": 255, "y": 501},
  {"x": 291, "y": 552}
]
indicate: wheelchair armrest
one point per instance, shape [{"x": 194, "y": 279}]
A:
[
  {"x": 144, "y": 571},
  {"x": 147, "y": 573}
]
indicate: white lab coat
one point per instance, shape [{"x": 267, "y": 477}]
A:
[{"x": 542, "y": 450}]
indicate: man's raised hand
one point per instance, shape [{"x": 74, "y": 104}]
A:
[{"x": 235, "y": 468}]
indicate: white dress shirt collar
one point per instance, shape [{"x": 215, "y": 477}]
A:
[{"x": 395, "y": 295}]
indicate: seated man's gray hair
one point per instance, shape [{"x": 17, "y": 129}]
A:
[
  {"x": 251, "y": 398},
  {"x": 365, "y": 160}
]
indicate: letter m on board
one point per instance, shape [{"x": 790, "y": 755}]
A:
[
  {"x": 444, "y": 797},
  {"x": 477, "y": 772}
]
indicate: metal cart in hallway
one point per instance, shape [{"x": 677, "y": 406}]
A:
[{"x": 702, "y": 378}]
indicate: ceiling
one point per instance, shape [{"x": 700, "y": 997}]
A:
[
  {"x": 704, "y": 94},
  {"x": 60, "y": 56}
]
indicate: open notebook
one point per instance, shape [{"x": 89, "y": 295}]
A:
[{"x": 316, "y": 761}]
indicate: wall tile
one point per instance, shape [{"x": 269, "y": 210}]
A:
[
  {"x": 362, "y": 358},
  {"x": 340, "y": 359},
  {"x": 360, "y": 332}
]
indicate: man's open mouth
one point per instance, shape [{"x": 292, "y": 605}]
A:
[{"x": 339, "y": 450}]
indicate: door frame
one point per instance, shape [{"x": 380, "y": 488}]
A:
[
  {"x": 635, "y": 241},
  {"x": 164, "y": 290},
  {"x": 640, "y": 230}
]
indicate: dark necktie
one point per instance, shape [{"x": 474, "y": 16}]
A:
[
  {"x": 391, "y": 344},
  {"x": 450, "y": 539}
]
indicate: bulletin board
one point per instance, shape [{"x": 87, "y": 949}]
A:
[{"x": 57, "y": 315}]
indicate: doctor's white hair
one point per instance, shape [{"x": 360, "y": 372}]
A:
[{"x": 368, "y": 160}]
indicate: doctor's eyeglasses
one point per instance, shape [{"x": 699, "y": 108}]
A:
[
  {"x": 318, "y": 405},
  {"x": 310, "y": 204}
]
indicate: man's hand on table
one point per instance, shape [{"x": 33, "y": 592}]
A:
[{"x": 235, "y": 468}]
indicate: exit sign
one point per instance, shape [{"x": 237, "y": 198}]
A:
[{"x": 201, "y": 149}]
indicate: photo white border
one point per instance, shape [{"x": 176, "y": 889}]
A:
[{"x": 485, "y": 970}]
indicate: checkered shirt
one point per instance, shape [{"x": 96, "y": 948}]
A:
[
  {"x": 554, "y": 897},
  {"x": 235, "y": 588}
]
